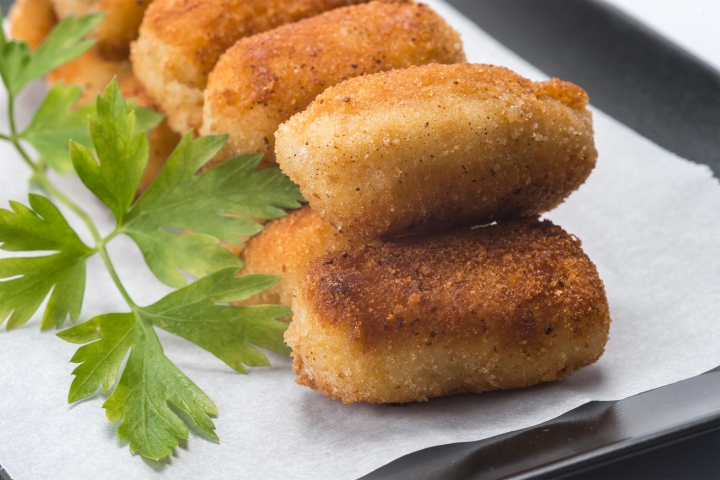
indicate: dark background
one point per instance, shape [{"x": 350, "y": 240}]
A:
[{"x": 668, "y": 96}]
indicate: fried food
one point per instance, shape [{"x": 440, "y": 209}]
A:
[
  {"x": 437, "y": 147},
  {"x": 181, "y": 40},
  {"x": 93, "y": 73},
  {"x": 285, "y": 248},
  {"x": 498, "y": 307},
  {"x": 118, "y": 28},
  {"x": 31, "y": 21},
  {"x": 264, "y": 79}
]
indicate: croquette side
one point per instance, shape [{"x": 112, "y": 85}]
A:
[
  {"x": 265, "y": 79},
  {"x": 286, "y": 247},
  {"x": 119, "y": 27},
  {"x": 31, "y": 21},
  {"x": 437, "y": 147},
  {"x": 495, "y": 307},
  {"x": 181, "y": 40}
]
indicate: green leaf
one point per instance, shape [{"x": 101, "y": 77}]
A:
[
  {"x": 27, "y": 281},
  {"x": 150, "y": 383},
  {"x": 145, "y": 119},
  {"x": 19, "y": 66},
  {"x": 121, "y": 153},
  {"x": 111, "y": 336},
  {"x": 147, "y": 387},
  {"x": 226, "y": 331},
  {"x": 215, "y": 205},
  {"x": 55, "y": 123}
]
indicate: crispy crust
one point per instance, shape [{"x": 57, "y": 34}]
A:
[
  {"x": 31, "y": 21},
  {"x": 117, "y": 30},
  {"x": 181, "y": 40},
  {"x": 497, "y": 307},
  {"x": 437, "y": 147},
  {"x": 285, "y": 248},
  {"x": 93, "y": 73},
  {"x": 264, "y": 79}
]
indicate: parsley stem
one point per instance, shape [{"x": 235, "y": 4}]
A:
[
  {"x": 14, "y": 137},
  {"x": 40, "y": 177},
  {"x": 99, "y": 241},
  {"x": 5, "y": 137},
  {"x": 115, "y": 277},
  {"x": 50, "y": 188},
  {"x": 23, "y": 154},
  {"x": 11, "y": 117}
]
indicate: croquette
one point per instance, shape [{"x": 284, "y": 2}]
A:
[
  {"x": 181, "y": 40},
  {"x": 265, "y": 79},
  {"x": 436, "y": 147},
  {"x": 92, "y": 72},
  {"x": 285, "y": 248},
  {"x": 496, "y": 307},
  {"x": 31, "y": 21},
  {"x": 119, "y": 27}
]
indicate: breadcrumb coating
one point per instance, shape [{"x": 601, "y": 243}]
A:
[
  {"x": 265, "y": 79},
  {"x": 286, "y": 247},
  {"x": 119, "y": 27},
  {"x": 181, "y": 40},
  {"x": 436, "y": 147},
  {"x": 498, "y": 307}
]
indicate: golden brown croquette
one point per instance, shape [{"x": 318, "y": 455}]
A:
[
  {"x": 286, "y": 247},
  {"x": 118, "y": 28},
  {"x": 436, "y": 147},
  {"x": 181, "y": 40},
  {"x": 31, "y": 21},
  {"x": 497, "y": 307},
  {"x": 264, "y": 79}
]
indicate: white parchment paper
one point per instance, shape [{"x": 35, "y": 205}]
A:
[{"x": 649, "y": 220}]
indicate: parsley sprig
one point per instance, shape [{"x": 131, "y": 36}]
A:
[{"x": 177, "y": 224}]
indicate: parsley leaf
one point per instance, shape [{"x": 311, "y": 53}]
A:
[
  {"x": 218, "y": 205},
  {"x": 55, "y": 123},
  {"x": 215, "y": 205},
  {"x": 29, "y": 280},
  {"x": 100, "y": 360},
  {"x": 225, "y": 331},
  {"x": 148, "y": 384},
  {"x": 150, "y": 381},
  {"x": 19, "y": 66},
  {"x": 122, "y": 154}
]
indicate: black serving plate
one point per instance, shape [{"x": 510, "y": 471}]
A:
[
  {"x": 667, "y": 95},
  {"x": 672, "y": 98}
]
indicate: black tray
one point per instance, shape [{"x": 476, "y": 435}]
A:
[{"x": 672, "y": 98}]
